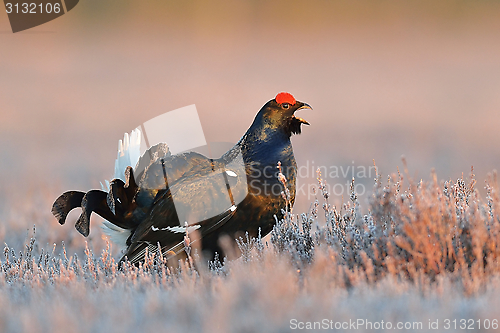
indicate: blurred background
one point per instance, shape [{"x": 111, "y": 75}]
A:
[{"x": 385, "y": 79}]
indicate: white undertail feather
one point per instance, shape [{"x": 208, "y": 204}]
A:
[
  {"x": 116, "y": 234},
  {"x": 129, "y": 152}
]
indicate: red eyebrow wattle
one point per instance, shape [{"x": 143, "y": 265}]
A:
[{"x": 284, "y": 97}]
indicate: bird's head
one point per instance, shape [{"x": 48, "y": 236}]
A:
[{"x": 279, "y": 114}]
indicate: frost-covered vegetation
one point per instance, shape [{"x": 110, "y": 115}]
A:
[{"x": 421, "y": 251}]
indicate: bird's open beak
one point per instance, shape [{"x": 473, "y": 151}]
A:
[{"x": 303, "y": 106}]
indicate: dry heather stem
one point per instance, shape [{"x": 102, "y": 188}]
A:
[{"x": 435, "y": 241}]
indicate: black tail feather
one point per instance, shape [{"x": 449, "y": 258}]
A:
[
  {"x": 114, "y": 206},
  {"x": 93, "y": 201},
  {"x": 66, "y": 203}
]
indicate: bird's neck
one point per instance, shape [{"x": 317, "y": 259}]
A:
[
  {"x": 263, "y": 151},
  {"x": 261, "y": 144}
]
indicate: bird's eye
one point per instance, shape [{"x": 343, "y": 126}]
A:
[{"x": 285, "y": 105}]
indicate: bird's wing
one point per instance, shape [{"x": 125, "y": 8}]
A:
[
  {"x": 164, "y": 172},
  {"x": 131, "y": 201},
  {"x": 202, "y": 200},
  {"x": 173, "y": 237}
]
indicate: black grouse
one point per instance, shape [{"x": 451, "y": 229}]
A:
[{"x": 165, "y": 195}]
